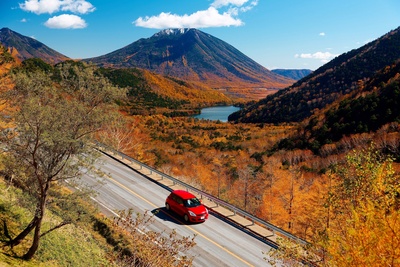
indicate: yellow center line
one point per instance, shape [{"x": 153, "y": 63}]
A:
[{"x": 192, "y": 229}]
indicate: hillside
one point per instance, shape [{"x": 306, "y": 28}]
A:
[
  {"x": 255, "y": 163},
  {"x": 372, "y": 106},
  {"x": 150, "y": 93},
  {"x": 24, "y": 47},
  {"x": 330, "y": 82},
  {"x": 295, "y": 74},
  {"x": 193, "y": 55},
  {"x": 73, "y": 232}
]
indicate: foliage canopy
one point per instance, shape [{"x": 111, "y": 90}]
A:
[{"x": 52, "y": 125}]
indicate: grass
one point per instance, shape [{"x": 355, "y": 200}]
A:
[
  {"x": 94, "y": 241},
  {"x": 69, "y": 246}
]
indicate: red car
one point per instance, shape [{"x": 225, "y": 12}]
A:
[{"x": 187, "y": 205}]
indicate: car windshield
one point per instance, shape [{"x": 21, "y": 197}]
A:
[{"x": 193, "y": 202}]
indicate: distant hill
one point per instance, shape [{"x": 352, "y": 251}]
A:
[
  {"x": 332, "y": 81},
  {"x": 24, "y": 47},
  {"x": 193, "y": 55},
  {"x": 295, "y": 74},
  {"x": 151, "y": 93}
]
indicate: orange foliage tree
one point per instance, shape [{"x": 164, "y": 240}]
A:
[
  {"x": 359, "y": 223},
  {"x": 364, "y": 224}
]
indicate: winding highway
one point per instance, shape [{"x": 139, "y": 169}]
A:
[{"x": 218, "y": 243}]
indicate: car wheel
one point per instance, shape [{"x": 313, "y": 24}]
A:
[
  {"x": 167, "y": 206},
  {"x": 186, "y": 218}
]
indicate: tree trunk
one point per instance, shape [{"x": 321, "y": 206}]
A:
[
  {"x": 291, "y": 197},
  {"x": 35, "y": 243},
  {"x": 37, "y": 219},
  {"x": 36, "y": 237},
  {"x": 18, "y": 239}
]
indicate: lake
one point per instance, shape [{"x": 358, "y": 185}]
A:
[{"x": 216, "y": 113}]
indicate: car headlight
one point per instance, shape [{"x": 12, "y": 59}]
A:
[{"x": 191, "y": 213}]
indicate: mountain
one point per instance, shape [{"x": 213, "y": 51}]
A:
[
  {"x": 293, "y": 73},
  {"x": 193, "y": 55},
  {"x": 374, "y": 104},
  {"x": 332, "y": 81},
  {"x": 24, "y": 47},
  {"x": 369, "y": 113}
]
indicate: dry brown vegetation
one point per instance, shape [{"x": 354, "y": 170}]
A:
[
  {"x": 242, "y": 164},
  {"x": 229, "y": 161},
  {"x": 293, "y": 189},
  {"x": 235, "y": 162},
  {"x": 248, "y": 93}
]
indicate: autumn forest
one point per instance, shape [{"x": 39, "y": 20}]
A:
[{"x": 331, "y": 178}]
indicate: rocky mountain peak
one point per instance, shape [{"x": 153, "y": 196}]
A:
[{"x": 176, "y": 31}]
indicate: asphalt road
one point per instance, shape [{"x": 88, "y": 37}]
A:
[{"x": 218, "y": 243}]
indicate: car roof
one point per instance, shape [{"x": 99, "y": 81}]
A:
[{"x": 183, "y": 194}]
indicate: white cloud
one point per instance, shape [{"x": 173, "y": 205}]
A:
[
  {"x": 23, "y": 20},
  {"x": 77, "y": 6},
  {"x": 39, "y": 7},
  {"x": 249, "y": 7},
  {"x": 201, "y": 19},
  {"x": 212, "y": 17},
  {"x": 50, "y": 6},
  {"x": 66, "y": 21},
  {"x": 321, "y": 34},
  {"x": 221, "y": 3},
  {"x": 323, "y": 56}
]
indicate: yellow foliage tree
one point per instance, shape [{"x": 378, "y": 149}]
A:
[
  {"x": 364, "y": 226},
  {"x": 361, "y": 222}
]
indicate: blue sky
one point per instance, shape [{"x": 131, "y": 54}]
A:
[{"x": 289, "y": 34}]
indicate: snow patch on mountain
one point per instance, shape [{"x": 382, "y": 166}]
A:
[{"x": 172, "y": 31}]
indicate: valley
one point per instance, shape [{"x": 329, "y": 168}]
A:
[{"x": 318, "y": 157}]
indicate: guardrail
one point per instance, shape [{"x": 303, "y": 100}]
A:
[{"x": 274, "y": 229}]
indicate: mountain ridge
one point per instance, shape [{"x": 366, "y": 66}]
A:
[
  {"x": 193, "y": 55},
  {"x": 325, "y": 85},
  {"x": 295, "y": 74},
  {"x": 24, "y": 47},
  {"x": 187, "y": 54}
]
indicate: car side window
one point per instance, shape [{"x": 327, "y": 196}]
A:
[{"x": 179, "y": 200}]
